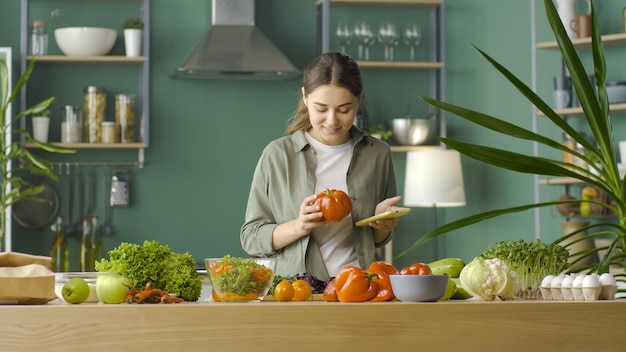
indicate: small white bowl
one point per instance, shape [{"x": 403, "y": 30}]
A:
[
  {"x": 85, "y": 41},
  {"x": 419, "y": 288}
]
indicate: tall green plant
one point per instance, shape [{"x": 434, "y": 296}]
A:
[
  {"x": 14, "y": 188},
  {"x": 602, "y": 170}
]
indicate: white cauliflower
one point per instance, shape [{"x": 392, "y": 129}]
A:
[{"x": 489, "y": 278}]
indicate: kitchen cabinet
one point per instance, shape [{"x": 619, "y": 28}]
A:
[
  {"x": 110, "y": 64},
  {"x": 313, "y": 325},
  {"x": 435, "y": 64}
]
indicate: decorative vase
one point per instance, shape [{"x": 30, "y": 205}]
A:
[
  {"x": 133, "y": 41},
  {"x": 577, "y": 243}
]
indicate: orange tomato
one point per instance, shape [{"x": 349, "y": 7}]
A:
[
  {"x": 284, "y": 291},
  {"x": 416, "y": 269},
  {"x": 302, "y": 290},
  {"x": 330, "y": 292}
]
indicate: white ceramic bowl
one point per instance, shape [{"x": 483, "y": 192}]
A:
[
  {"x": 85, "y": 41},
  {"x": 419, "y": 288}
]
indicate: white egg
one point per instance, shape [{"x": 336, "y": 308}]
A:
[
  {"x": 591, "y": 281},
  {"x": 567, "y": 281},
  {"x": 578, "y": 281},
  {"x": 556, "y": 282},
  {"x": 547, "y": 281},
  {"x": 607, "y": 279}
]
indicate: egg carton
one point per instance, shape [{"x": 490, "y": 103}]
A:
[{"x": 579, "y": 287}]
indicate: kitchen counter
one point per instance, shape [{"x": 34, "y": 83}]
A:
[{"x": 529, "y": 326}]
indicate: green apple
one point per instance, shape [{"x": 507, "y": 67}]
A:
[
  {"x": 112, "y": 288},
  {"x": 76, "y": 290}
]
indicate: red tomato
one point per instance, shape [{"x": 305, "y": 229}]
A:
[
  {"x": 416, "y": 269},
  {"x": 330, "y": 292},
  {"x": 334, "y": 204}
]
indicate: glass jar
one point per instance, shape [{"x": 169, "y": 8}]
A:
[
  {"x": 125, "y": 116},
  {"x": 577, "y": 160},
  {"x": 72, "y": 125},
  {"x": 95, "y": 112},
  {"x": 109, "y": 132},
  {"x": 38, "y": 44},
  {"x": 568, "y": 142}
]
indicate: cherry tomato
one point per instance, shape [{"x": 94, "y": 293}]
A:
[
  {"x": 416, "y": 269},
  {"x": 302, "y": 290},
  {"x": 330, "y": 292},
  {"x": 284, "y": 291}
]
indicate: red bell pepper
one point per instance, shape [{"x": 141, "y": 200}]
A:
[
  {"x": 354, "y": 284},
  {"x": 383, "y": 269},
  {"x": 330, "y": 292}
]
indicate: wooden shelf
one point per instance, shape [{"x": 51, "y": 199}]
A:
[
  {"x": 113, "y": 59},
  {"x": 384, "y": 2},
  {"x": 608, "y": 40},
  {"x": 424, "y": 65},
  {"x": 94, "y": 145},
  {"x": 559, "y": 181},
  {"x": 615, "y": 108},
  {"x": 411, "y": 148},
  {"x": 89, "y": 0}
]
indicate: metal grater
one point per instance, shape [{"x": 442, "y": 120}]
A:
[{"x": 119, "y": 192}]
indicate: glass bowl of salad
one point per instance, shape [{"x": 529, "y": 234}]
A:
[{"x": 240, "y": 279}]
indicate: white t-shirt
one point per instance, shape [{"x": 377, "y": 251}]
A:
[{"x": 334, "y": 239}]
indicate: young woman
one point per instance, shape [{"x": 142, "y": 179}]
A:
[{"x": 322, "y": 149}]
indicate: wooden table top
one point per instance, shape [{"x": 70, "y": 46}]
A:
[{"x": 529, "y": 326}]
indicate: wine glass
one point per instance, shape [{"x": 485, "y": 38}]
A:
[
  {"x": 344, "y": 35},
  {"x": 412, "y": 37},
  {"x": 364, "y": 37},
  {"x": 388, "y": 36}
]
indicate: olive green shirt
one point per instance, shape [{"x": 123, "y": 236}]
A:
[{"x": 285, "y": 175}]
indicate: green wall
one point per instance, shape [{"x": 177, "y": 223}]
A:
[{"x": 206, "y": 136}]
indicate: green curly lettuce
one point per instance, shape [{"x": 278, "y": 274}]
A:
[{"x": 157, "y": 265}]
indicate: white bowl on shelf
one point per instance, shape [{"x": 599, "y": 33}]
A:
[{"x": 85, "y": 41}]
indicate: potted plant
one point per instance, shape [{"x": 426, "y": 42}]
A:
[
  {"x": 133, "y": 34},
  {"x": 41, "y": 124},
  {"x": 601, "y": 171},
  {"x": 14, "y": 188}
]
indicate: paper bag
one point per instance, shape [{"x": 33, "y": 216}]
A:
[{"x": 25, "y": 279}]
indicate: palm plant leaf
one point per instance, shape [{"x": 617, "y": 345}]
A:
[{"x": 596, "y": 112}]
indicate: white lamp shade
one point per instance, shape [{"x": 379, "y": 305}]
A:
[{"x": 434, "y": 178}]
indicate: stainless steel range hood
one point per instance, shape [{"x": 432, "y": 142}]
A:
[{"x": 234, "y": 48}]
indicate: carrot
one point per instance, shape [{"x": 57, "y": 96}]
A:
[{"x": 152, "y": 295}]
